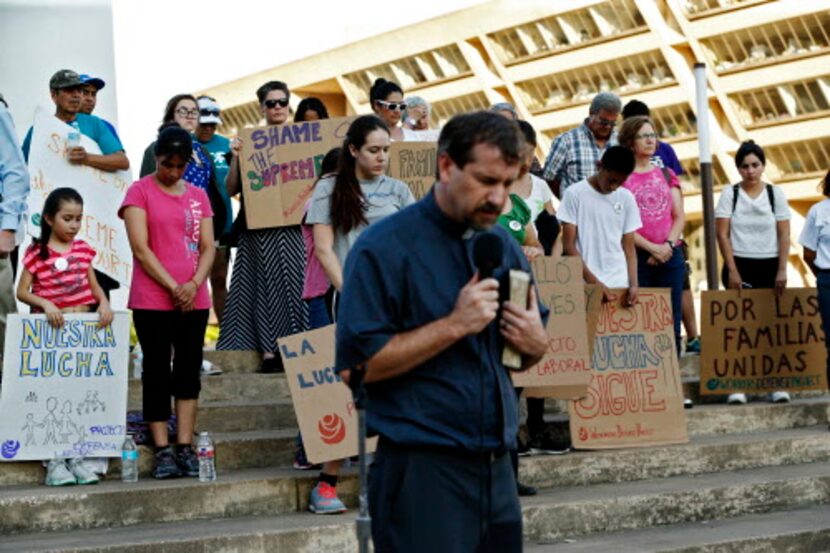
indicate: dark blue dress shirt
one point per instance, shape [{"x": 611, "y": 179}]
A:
[{"x": 404, "y": 272}]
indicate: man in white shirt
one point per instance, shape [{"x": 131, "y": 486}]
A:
[{"x": 599, "y": 219}]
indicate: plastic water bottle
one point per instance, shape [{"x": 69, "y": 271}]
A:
[
  {"x": 129, "y": 460},
  {"x": 207, "y": 458},
  {"x": 73, "y": 137}
]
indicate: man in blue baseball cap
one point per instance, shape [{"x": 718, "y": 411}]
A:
[{"x": 89, "y": 97}]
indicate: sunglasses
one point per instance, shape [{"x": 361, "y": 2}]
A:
[
  {"x": 605, "y": 122},
  {"x": 204, "y": 112},
  {"x": 271, "y": 104},
  {"x": 392, "y": 105}
]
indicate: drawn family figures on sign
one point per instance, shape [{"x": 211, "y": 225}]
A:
[
  {"x": 91, "y": 404},
  {"x": 57, "y": 428}
]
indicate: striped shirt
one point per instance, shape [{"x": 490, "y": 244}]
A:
[
  {"x": 63, "y": 278},
  {"x": 574, "y": 155}
]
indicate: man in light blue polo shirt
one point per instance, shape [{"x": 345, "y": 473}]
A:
[{"x": 66, "y": 88}]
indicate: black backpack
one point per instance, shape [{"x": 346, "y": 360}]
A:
[{"x": 770, "y": 194}]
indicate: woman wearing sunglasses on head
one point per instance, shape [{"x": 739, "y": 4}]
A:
[
  {"x": 265, "y": 296},
  {"x": 387, "y": 103}
]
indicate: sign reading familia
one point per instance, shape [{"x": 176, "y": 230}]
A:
[
  {"x": 279, "y": 165},
  {"x": 64, "y": 390},
  {"x": 635, "y": 396},
  {"x": 415, "y": 164},
  {"x": 756, "y": 341},
  {"x": 322, "y": 401}
]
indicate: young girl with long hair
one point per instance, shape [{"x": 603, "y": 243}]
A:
[
  {"x": 58, "y": 278},
  {"x": 342, "y": 207}
]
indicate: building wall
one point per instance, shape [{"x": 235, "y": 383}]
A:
[
  {"x": 769, "y": 81},
  {"x": 35, "y": 38}
]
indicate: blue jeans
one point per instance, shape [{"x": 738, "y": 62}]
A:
[
  {"x": 666, "y": 275},
  {"x": 318, "y": 312},
  {"x": 823, "y": 285}
]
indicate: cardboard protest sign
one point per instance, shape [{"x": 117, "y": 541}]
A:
[
  {"x": 102, "y": 192},
  {"x": 754, "y": 341},
  {"x": 322, "y": 402},
  {"x": 415, "y": 164},
  {"x": 64, "y": 390},
  {"x": 635, "y": 396},
  {"x": 565, "y": 369},
  {"x": 280, "y": 163}
]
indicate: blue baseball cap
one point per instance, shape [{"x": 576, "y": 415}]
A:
[{"x": 94, "y": 81}]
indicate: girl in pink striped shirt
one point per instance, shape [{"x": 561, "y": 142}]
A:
[
  {"x": 58, "y": 278},
  {"x": 57, "y": 268}
]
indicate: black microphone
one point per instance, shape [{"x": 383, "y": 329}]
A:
[{"x": 488, "y": 251}]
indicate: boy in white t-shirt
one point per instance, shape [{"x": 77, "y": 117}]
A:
[{"x": 599, "y": 219}]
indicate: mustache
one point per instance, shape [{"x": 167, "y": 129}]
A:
[{"x": 489, "y": 208}]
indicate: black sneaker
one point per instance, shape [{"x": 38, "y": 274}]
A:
[
  {"x": 272, "y": 365},
  {"x": 524, "y": 490},
  {"x": 165, "y": 465},
  {"x": 522, "y": 448},
  {"x": 187, "y": 460},
  {"x": 546, "y": 446}
]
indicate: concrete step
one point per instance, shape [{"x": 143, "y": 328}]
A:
[
  {"x": 554, "y": 515},
  {"x": 235, "y": 361},
  {"x": 236, "y": 450},
  {"x": 707, "y": 455},
  {"x": 246, "y": 416},
  {"x": 804, "y": 530},
  {"x": 298, "y": 533},
  {"x": 113, "y": 504},
  {"x": 703, "y": 455},
  {"x": 732, "y": 419},
  {"x": 580, "y": 510},
  {"x": 228, "y": 387}
]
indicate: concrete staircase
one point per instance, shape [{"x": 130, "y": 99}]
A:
[{"x": 754, "y": 478}]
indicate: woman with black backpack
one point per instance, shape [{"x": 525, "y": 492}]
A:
[{"x": 753, "y": 227}]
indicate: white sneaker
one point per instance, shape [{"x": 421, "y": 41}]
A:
[
  {"x": 736, "y": 399},
  {"x": 82, "y": 474},
  {"x": 58, "y": 475},
  {"x": 209, "y": 369},
  {"x": 780, "y": 397}
]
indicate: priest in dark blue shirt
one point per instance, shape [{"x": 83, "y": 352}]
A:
[{"x": 429, "y": 333}]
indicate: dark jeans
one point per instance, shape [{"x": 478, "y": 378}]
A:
[
  {"x": 666, "y": 275},
  {"x": 823, "y": 286},
  {"x": 162, "y": 335},
  {"x": 758, "y": 273},
  {"x": 424, "y": 500},
  {"x": 318, "y": 312}
]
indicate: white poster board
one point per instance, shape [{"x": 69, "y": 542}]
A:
[
  {"x": 102, "y": 192},
  {"x": 64, "y": 391}
]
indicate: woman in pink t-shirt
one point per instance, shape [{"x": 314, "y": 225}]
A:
[
  {"x": 170, "y": 227},
  {"x": 660, "y": 262}
]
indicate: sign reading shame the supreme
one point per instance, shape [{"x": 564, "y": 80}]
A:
[
  {"x": 280, "y": 163},
  {"x": 635, "y": 395},
  {"x": 64, "y": 390},
  {"x": 415, "y": 164},
  {"x": 322, "y": 401},
  {"x": 756, "y": 341},
  {"x": 565, "y": 369},
  {"x": 101, "y": 191}
]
